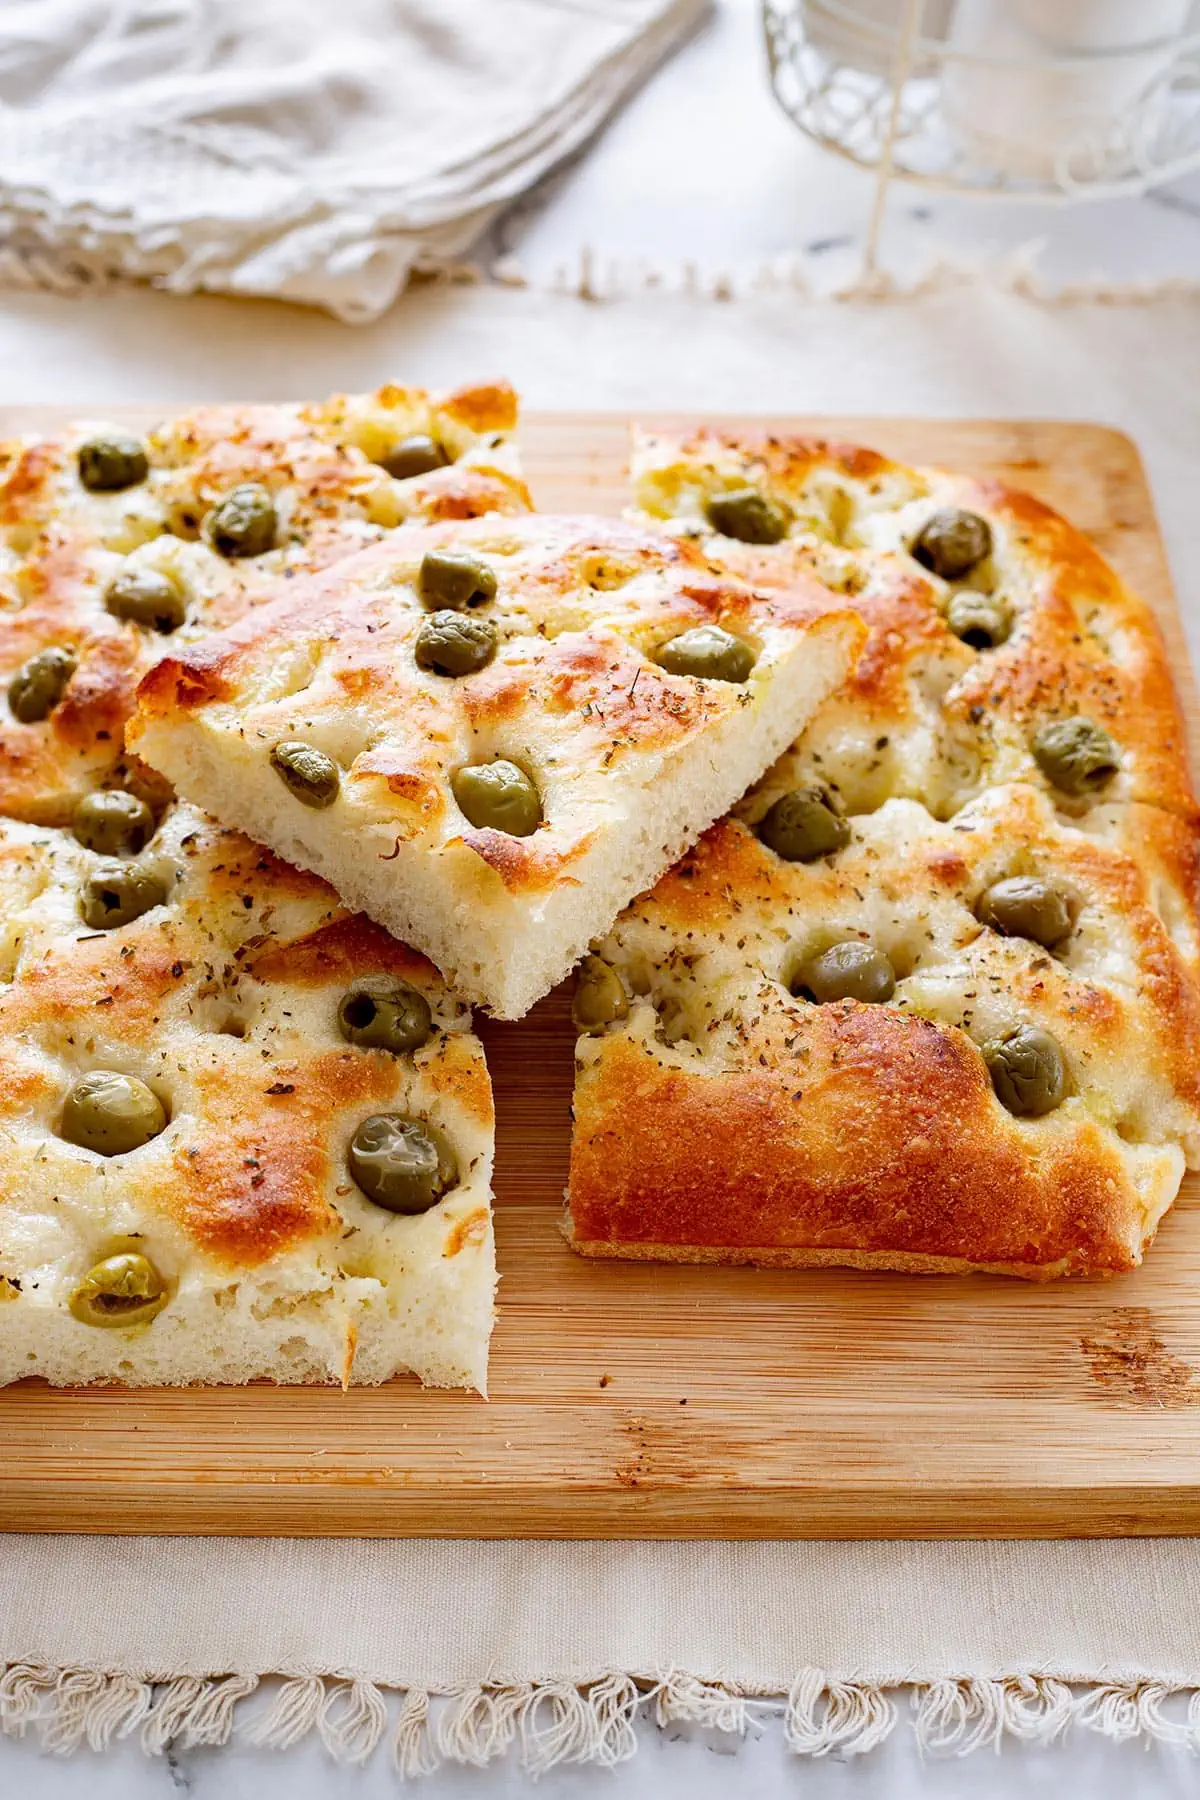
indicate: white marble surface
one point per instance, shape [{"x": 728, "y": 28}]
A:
[
  {"x": 670, "y": 1765},
  {"x": 700, "y": 169}
]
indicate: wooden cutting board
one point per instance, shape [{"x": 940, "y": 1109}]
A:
[{"x": 633, "y": 1400}]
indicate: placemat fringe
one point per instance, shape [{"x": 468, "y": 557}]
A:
[
  {"x": 547, "y": 1725},
  {"x": 34, "y": 258}
]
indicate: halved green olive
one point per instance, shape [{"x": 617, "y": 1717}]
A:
[
  {"x": 803, "y": 825},
  {"x": 599, "y": 997},
  {"x": 39, "y": 684},
  {"x": 125, "y": 1289},
  {"x": 117, "y": 893},
  {"x": 1028, "y": 1071},
  {"x": 747, "y": 515},
  {"x": 708, "y": 652},
  {"x": 400, "y": 1164},
  {"x": 112, "y": 461},
  {"x": 1076, "y": 755},
  {"x": 380, "y": 1014},
  {"x": 113, "y": 823},
  {"x": 146, "y": 597},
  {"x": 848, "y": 971},
  {"x": 980, "y": 620},
  {"x": 456, "y": 579},
  {"x": 307, "y": 772},
  {"x": 953, "y": 542},
  {"x": 1023, "y": 906},
  {"x": 111, "y": 1113},
  {"x": 244, "y": 523},
  {"x": 453, "y": 643},
  {"x": 497, "y": 796},
  {"x": 416, "y": 455}
]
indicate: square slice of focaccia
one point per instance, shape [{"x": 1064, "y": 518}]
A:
[
  {"x": 194, "y": 1042},
  {"x": 490, "y": 736},
  {"x": 928, "y": 999},
  {"x": 118, "y": 543}
]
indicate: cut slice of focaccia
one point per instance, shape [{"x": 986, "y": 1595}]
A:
[
  {"x": 928, "y": 999},
  {"x": 116, "y": 544},
  {"x": 243, "y": 1133},
  {"x": 491, "y": 736}
]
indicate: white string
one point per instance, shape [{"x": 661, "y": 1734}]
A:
[{"x": 900, "y": 69}]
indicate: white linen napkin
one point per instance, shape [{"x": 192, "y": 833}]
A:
[{"x": 308, "y": 150}]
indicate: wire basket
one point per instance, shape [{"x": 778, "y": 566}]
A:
[{"x": 914, "y": 91}]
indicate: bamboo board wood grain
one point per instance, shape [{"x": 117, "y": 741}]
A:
[{"x": 634, "y": 1400}]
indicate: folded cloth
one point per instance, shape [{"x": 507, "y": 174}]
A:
[{"x": 293, "y": 148}]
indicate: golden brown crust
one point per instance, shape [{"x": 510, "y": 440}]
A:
[
  {"x": 727, "y": 1115},
  {"x": 756, "y": 1256},
  {"x": 852, "y": 1128},
  {"x": 481, "y": 406},
  {"x": 727, "y": 1120}
]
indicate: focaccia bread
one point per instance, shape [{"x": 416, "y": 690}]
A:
[
  {"x": 490, "y": 736},
  {"x": 966, "y": 673},
  {"x": 180, "y": 1100},
  {"x": 116, "y": 545},
  {"x": 928, "y": 1000}
]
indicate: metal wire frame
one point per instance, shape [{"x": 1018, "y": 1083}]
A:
[{"x": 894, "y": 123}]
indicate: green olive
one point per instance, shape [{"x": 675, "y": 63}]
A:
[
  {"x": 452, "y": 643},
  {"x": 401, "y": 1165},
  {"x": 244, "y": 523},
  {"x": 416, "y": 455},
  {"x": 1027, "y": 1070},
  {"x": 379, "y": 1014},
  {"x": 307, "y": 772},
  {"x": 125, "y": 1289},
  {"x": 848, "y": 971},
  {"x": 145, "y": 597},
  {"x": 1076, "y": 755},
  {"x": 454, "y": 578},
  {"x": 39, "y": 684},
  {"x": 747, "y": 515},
  {"x": 111, "y": 461},
  {"x": 498, "y": 796},
  {"x": 1023, "y": 906},
  {"x": 113, "y": 823},
  {"x": 952, "y": 543},
  {"x": 803, "y": 825},
  {"x": 599, "y": 995},
  {"x": 117, "y": 893},
  {"x": 111, "y": 1113},
  {"x": 708, "y": 652},
  {"x": 980, "y": 620}
]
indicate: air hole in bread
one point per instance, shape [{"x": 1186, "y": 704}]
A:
[
  {"x": 291, "y": 672},
  {"x": 934, "y": 675},
  {"x": 839, "y": 514},
  {"x": 606, "y": 572}
]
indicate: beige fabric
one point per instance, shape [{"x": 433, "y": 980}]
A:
[
  {"x": 368, "y": 1631},
  {"x": 440, "y": 1616}
]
